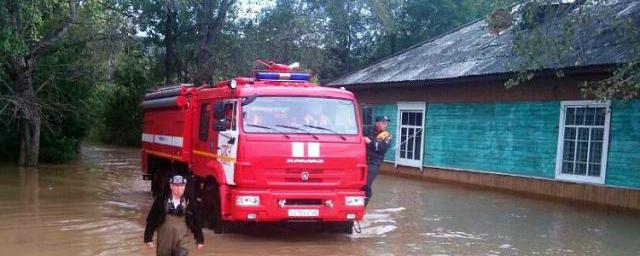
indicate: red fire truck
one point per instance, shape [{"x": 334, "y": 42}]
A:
[{"x": 268, "y": 148}]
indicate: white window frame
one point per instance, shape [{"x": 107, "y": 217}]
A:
[
  {"x": 409, "y": 106},
  {"x": 605, "y": 142}
]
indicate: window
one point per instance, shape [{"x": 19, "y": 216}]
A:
[
  {"x": 410, "y": 134},
  {"x": 367, "y": 118},
  {"x": 230, "y": 114},
  {"x": 300, "y": 115},
  {"x": 203, "y": 133},
  {"x": 583, "y": 141}
]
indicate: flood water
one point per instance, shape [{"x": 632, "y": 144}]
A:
[{"x": 98, "y": 204}]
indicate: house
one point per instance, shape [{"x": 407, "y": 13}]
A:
[{"x": 454, "y": 120}]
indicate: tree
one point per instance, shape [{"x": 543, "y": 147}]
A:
[
  {"x": 42, "y": 46},
  {"x": 547, "y": 33},
  {"x": 32, "y": 29},
  {"x": 167, "y": 24},
  {"x": 212, "y": 17},
  {"x": 289, "y": 31},
  {"x": 187, "y": 31},
  {"x": 118, "y": 104},
  {"x": 404, "y": 23}
]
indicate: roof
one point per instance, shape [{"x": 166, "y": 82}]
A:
[{"x": 473, "y": 51}]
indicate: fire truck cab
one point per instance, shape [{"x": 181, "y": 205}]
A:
[{"x": 268, "y": 148}]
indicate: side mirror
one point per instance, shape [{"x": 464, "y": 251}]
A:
[
  {"x": 248, "y": 100},
  {"x": 218, "y": 110},
  {"x": 220, "y": 125}
]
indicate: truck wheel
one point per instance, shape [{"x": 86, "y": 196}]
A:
[
  {"x": 211, "y": 212},
  {"x": 156, "y": 183},
  {"x": 342, "y": 227}
]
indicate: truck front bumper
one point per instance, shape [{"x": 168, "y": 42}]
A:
[{"x": 289, "y": 205}]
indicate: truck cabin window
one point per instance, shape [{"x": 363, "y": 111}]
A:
[
  {"x": 229, "y": 115},
  {"x": 203, "y": 133},
  {"x": 227, "y": 111},
  {"x": 300, "y": 115}
]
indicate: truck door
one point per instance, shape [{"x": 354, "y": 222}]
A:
[
  {"x": 228, "y": 141},
  {"x": 205, "y": 145}
]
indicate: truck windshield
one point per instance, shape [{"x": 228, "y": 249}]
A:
[{"x": 300, "y": 115}]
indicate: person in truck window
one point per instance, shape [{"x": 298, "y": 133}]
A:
[
  {"x": 315, "y": 116},
  {"x": 174, "y": 217},
  {"x": 228, "y": 115},
  {"x": 285, "y": 117},
  {"x": 378, "y": 142},
  {"x": 256, "y": 118}
]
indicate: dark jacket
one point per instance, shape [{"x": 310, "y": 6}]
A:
[
  {"x": 158, "y": 213},
  {"x": 376, "y": 149}
]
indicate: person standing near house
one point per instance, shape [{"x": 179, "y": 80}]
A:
[
  {"x": 174, "y": 217},
  {"x": 378, "y": 142}
]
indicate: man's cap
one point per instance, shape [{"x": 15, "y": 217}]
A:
[
  {"x": 382, "y": 119},
  {"x": 178, "y": 179}
]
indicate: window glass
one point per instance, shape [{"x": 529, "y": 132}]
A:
[{"x": 300, "y": 115}]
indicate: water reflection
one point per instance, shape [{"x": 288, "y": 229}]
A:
[{"x": 29, "y": 188}]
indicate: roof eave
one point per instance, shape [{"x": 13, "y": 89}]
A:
[{"x": 603, "y": 69}]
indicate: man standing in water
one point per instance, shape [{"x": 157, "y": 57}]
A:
[
  {"x": 174, "y": 217},
  {"x": 378, "y": 142}
]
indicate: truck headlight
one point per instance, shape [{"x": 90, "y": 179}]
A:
[
  {"x": 354, "y": 201},
  {"x": 247, "y": 200}
]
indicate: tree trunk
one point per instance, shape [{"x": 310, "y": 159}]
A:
[
  {"x": 169, "y": 43},
  {"x": 21, "y": 66},
  {"x": 30, "y": 113},
  {"x": 211, "y": 29},
  {"x": 30, "y": 142}
]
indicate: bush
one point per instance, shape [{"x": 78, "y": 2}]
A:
[
  {"x": 58, "y": 150},
  {"x": 9, "y": 141}
]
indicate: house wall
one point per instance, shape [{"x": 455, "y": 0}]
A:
[
  {"x": 552, "y": 189},
  {"x": 485, "y": 128},
  {"x": 514, "y": 138},
  {"x": 623, "y": 165},
  {"x": 490, "y": 91}
]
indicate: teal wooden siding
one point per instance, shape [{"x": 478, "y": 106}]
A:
[
  {"x": 391, "y": 111},
  {"x": 515, "y": 138},
  {"x": 623, "y": 166}
]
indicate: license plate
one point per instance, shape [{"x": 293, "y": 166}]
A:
[{"x": 304, "y": 213}]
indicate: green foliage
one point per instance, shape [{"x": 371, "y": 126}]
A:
[
  {"x": 94, "y": 78},
  {"x": 55, "y": 149},
  {"x": 54, "y": 38},
  {"x": 9, "y": 141},
  {"x": 408, "y": 22},
  {"x": 548, "y": 33},
  {"x": 119, "y": 115},
  {"x": 63, "y": 94}
]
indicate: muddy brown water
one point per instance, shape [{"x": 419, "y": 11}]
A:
[{"x": 98, "y": 204}]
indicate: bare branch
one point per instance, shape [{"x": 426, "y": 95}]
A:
[
  {"x": 57, "y": 34},
  {"x": 48, "y": 81}
]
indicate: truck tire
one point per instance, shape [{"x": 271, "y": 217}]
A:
[
  {"x": 342, "y": 227},
  {"x": 158, "y": 183},
  {"x": 211, "y": 212}
]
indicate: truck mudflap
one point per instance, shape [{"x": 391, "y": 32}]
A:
[{"x": 296, "y": 206}]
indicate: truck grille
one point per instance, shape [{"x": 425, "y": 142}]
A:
[
  {"x": 297, "y": 176},
  {"x": 303, "y": 202}
]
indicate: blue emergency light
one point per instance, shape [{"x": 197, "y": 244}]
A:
[{"x": 283, "y": 76}]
